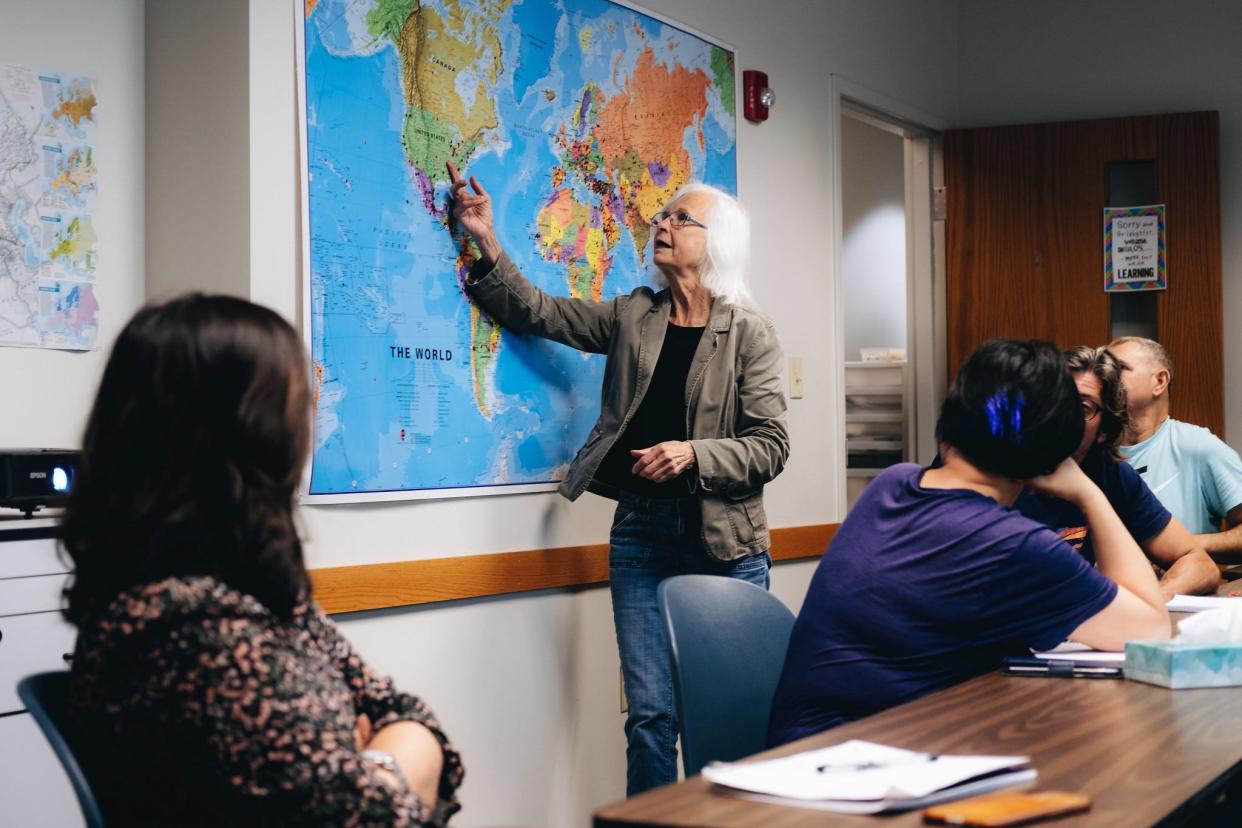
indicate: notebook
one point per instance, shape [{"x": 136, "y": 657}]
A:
[{"x": 859, "y": 777}]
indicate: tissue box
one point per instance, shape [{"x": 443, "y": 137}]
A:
[{"x": 1180, "y": 666}]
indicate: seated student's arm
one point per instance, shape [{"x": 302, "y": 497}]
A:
[
  {"x": 245, "y": 697},
  {"x": 1188, "y": 569},
  {"x": 1220, "y": 481},
  {"x": 1226, "y": 546},
  {"x": 401, "y": 724},
  {"x": 1138, "y": 609}
]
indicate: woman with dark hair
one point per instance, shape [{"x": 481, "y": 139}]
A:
[
  {"x": 691, "y": 425},
  {"x": 932, "y": 577},
  {"x": 207, "y": 686},
  {"x": 1167, "y": 543}
]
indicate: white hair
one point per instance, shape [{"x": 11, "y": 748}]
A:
[{"x": 726, "y": 259}]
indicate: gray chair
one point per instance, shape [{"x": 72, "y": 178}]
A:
[
  {"x": 46, "y": 696},
  {"x": 728, "y": 641}
]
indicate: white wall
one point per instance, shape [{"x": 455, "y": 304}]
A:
[
  {"x": 45, "y": 395},
  {"x": 198, "y": 164},
  {"x": 528, "y": 685},
  {"x": 873, "y": 237},
  {"x": 1058, "y": 60}
]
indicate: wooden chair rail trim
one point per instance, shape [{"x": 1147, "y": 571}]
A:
[{"x": 408, "y": 583}]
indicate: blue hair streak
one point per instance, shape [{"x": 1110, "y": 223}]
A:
[{"x": 1004, "y": 414}]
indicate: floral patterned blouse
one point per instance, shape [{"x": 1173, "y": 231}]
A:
[{"x": 199, "y": 706}]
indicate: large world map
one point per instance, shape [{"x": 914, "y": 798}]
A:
[{"x": 581, "y": 117}]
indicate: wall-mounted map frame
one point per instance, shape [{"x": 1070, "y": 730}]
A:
[{"x": 581, "y": 117}]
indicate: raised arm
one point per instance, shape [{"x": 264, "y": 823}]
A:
[
  {"x": 509, "y": 297},
  {"x": 1138, "y": 610}
]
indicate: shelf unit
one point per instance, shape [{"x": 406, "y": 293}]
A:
[
  {"x": 34, "y": 638},
  {"x": 877, "y": 411}
]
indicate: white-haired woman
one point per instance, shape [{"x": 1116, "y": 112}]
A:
[{"x": 691, "y": 427}]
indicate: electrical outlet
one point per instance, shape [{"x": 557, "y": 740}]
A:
[{"x": 795, "y": 378}]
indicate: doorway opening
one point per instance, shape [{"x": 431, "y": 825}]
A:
[{"x": 890, "y": 286}]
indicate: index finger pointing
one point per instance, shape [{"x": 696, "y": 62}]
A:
[{"x": 453, "y": 173}]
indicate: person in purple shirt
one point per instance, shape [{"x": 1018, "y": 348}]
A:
[
  {"x": 932, "y": 577},
  {"x": 1187, "y": 569}
]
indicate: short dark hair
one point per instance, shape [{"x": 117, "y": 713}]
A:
[
  {"x": 192, "y": 456},
  {"x": 1114, "y": 415},
  {"x": 1013, "y": 409}
]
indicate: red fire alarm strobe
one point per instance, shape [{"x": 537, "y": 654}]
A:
[{"x": 757, "y": 96}]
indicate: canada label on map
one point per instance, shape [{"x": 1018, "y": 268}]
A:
[
  {"x": 581, "y": 118},
  {"x": 49, "y": 251}
]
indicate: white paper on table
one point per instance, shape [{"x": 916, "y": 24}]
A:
[
  {"x": 856, "y": 771},
  {"x": 1081, "y": 653},
  {"x": 876, "y": 806},
  {"x": 1198, "y": 603}
]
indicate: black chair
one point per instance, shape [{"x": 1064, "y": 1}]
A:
[
  {"x": 728, "y": 642},
  {"x": 46, "y": 696}
]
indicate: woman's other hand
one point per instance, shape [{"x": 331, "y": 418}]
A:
[
  {"x": 663, "y": 461},
  {"x": 473, "y": 210}
]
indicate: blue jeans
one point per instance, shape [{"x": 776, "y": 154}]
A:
[{"x": 653, "y": 540}]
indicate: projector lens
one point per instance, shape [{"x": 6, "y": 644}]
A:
[{"x": 60, "y": 479}]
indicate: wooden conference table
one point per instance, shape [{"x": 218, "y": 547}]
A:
[{"x": 1144, "y": 754}]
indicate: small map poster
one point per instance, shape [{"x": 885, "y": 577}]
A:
[
  {"x": 49, "y": 252},
  {"x": 1134, "y": 248},
  {"x": 581, "y": 118}
]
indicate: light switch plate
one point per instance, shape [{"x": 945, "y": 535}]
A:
[{"x": 795, "y": 378}]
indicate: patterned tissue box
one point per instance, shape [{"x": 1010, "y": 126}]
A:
[{"x": 1181, "y": 666}]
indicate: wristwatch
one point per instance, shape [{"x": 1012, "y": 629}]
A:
[{"x": 385, "y": 761}]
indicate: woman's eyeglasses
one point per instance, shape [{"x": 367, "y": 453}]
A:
[
  {"x": 677, "y": 218},
  {"x": 1090, "y": 410}
]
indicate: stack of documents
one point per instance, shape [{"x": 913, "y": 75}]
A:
[
  {"x": 858, "y": 777},
  {"x": 1081, "y": 654}
]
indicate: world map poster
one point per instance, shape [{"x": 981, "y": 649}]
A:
[{"x": 581, "y": 118}]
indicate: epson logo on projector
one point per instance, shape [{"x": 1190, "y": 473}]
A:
[{"x": 38, "y": 475}]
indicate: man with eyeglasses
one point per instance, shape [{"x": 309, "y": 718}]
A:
[{"x": 1163, "y": 538}]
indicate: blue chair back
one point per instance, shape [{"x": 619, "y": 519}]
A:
[
  {"x": 728, "y": 642},
  {"x": 46, "y": 696}
]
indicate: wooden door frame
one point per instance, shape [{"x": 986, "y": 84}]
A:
[{"x": 848, "y": 95}]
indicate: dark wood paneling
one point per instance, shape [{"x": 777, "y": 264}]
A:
[
  {"x": 1144, "y": 754},
  {"x": 379, "y": 586},
  {"x": 1024, "y": 240},
  {"x": 1190, "y": 311}
]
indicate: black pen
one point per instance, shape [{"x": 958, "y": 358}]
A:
[{"x": 851, "y": 767}]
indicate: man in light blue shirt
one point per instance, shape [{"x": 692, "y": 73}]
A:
[{"x": 1194, "y": 473}]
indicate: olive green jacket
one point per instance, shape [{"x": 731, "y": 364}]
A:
[{"x": 735, "y": 401}]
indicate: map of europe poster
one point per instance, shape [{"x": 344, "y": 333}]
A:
[{"x": 581, "y": 118}]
